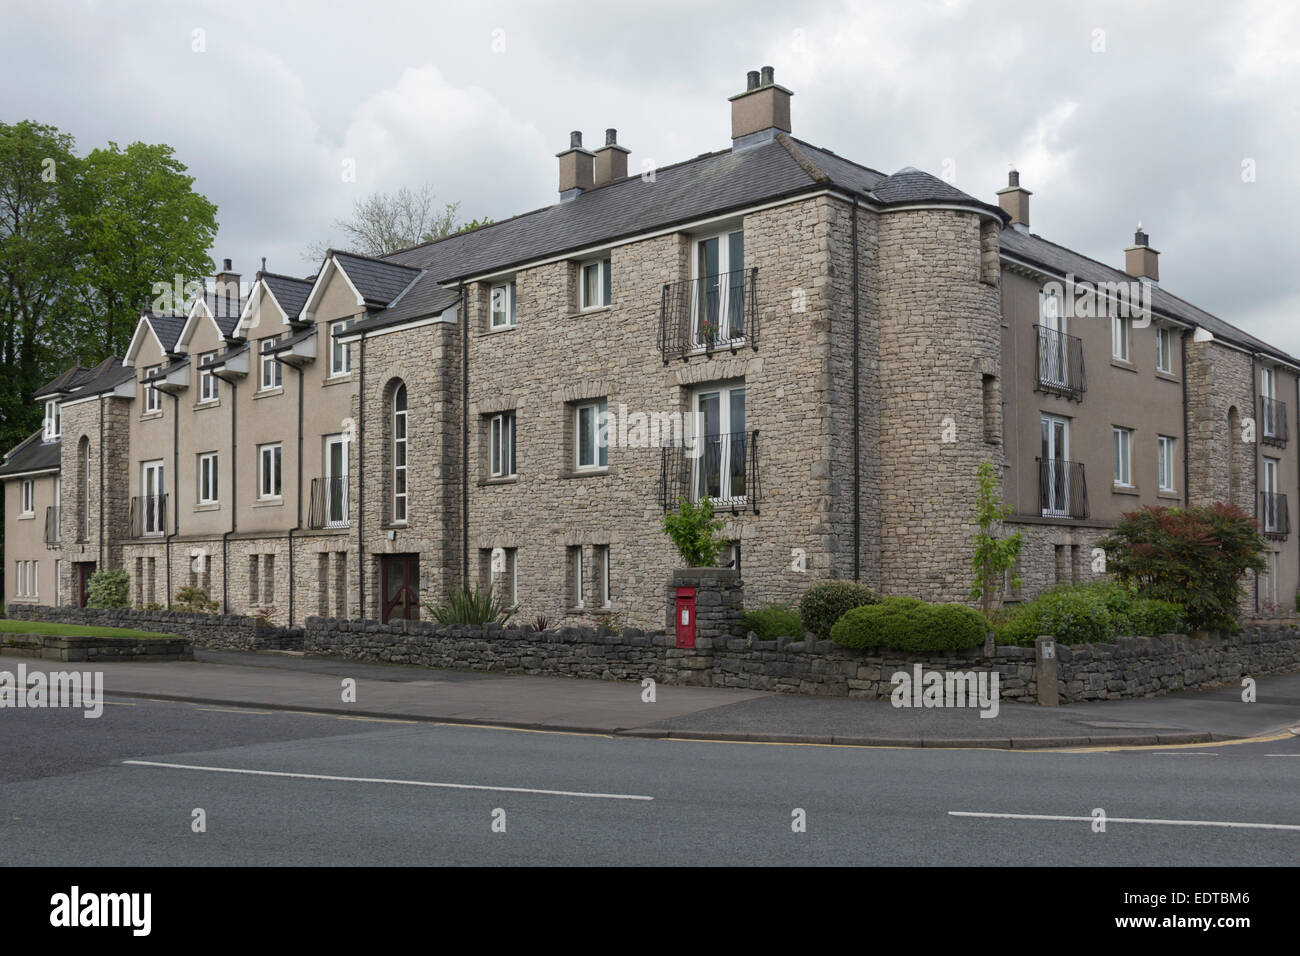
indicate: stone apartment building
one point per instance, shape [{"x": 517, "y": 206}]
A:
[{"x": 826, "y": 351}]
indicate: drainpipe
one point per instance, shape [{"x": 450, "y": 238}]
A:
[
  {"x": 1254, "y": 414},
  {"x": 102, "y": 496},
  {"x": 462, "y": 313},
  {"x": 176, "y": 497},
  {"x": 234, "y": 494},
  {"x": 1187, "y": 429},
  {"x": 857, "y": 414},
  {"x": 298, "y": 526},
  {"x": 361, "y": 478}
]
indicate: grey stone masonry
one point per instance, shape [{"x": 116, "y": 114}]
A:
[{"x": 719, "y": 602}]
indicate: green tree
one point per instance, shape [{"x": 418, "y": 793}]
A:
[
  {"x": 139, "y": 222},
  {"x": 694, "y": 530},
  {"x": 993, "y": 556}
]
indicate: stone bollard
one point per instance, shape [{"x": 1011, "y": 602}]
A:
[{"x": 1046, "y": 665}]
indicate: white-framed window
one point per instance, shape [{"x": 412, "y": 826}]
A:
[
  {"x": 604, "y": 589},
  {"x": 1165, "y": 462},
  {"x": 268, "y": 470},
  {"x": 152, "y": 397},
  {"x": 272, "y": 373},
  {"x": 208, "y": 492},
  {"x": 577, "y": 578},
  {"x": 207, "y": 381},
  {"x": 1120, "y": 330},
  {"x": 1273, "y": 507},
  {"x": 501, "y": 445},
  {"x": 1056, "y": 478},
  {"x": 1123, "y": 442},
  {"x": 29, "y": 496},
  {"x": 153, "y": 503},
  {"x": 718, "y": 304},
  {"x": 53, "y": 420},
  {"x": 596, "y": 290},
  {"x": 336, "y": 481},
  {"x": 503, "y": 573},
  {"x": 720, "y": 458},
  {"x": 340, "y": 352},
  {"x": 1164, "y": 349},
  {"x": 1054, "y": 350},
  {"x": 591, "y": 432},
  {"x": 20, "y": 579},
  {"x": 502, "y": 303},
  {"x": 1269, "y": 411},
  {"x": 399, "y": 455}
]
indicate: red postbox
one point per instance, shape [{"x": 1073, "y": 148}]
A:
[{"x": 685, "y": 617}]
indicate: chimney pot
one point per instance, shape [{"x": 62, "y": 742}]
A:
[
  {"x": 751, "y": 80},
  {"x": 768, "y": 76},
  {"x": 575, "y": 139},
  {"x": 1014, "y": 200},
  {"x": 226, "y": 266},
  {"x": 611, "y": 137}
]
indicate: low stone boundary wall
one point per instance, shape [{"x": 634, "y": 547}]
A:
[
  {"x": 1130, "y": 667},
  {"x": 230, "y": 632},
  {"x": 96, "y": 649}
]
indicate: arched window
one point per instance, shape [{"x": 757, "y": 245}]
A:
[
  {"x": 399, "y": 453},
  {"x": 83, "y": 490}
]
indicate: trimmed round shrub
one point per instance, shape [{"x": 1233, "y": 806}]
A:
[
  {"x": 1151, "y": 618},
  {"x": 109, "y": 589},
  {"x": 824, "y": 604},
  {"x": 773, "y": 621},
  {"x": 1089, "y": 614},
  {"x": 906, "y": 624}
]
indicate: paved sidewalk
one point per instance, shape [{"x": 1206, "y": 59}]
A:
[{"x": 289, "y": 682}]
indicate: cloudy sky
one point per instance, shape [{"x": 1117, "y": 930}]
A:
[{"x": 1185, "y": 116}]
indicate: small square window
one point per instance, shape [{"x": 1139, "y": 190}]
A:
[
  {"x": 1165, "y": 462},
  {"x": 503, "y": 305},
  {"x": 207, "y": 381},
  {"x": 53, "y": 420},
  {"x": 269, "y": 471},
  {"x": 340, "y": 352},
  {"x": 596, "y": 284},
  {"x": 208, "y": 478},
  {"x": 1119, "y": 338},
  {"x": 1123, "y": 441},
  {"x": 272, "y": 373},
  {"x": 501, "y": 445},
  {"x": 1165, "y": 350},
  {"x": 29, "y": 496},
  {"x": 591, "y": 432},
  {"x": 152, "y": 397}
]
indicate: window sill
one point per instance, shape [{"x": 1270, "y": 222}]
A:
[
  {"x": 496, "y": 329},
  {"x": 1121, "y": 364},
  {"x": 27, "y": 516},
  {"x": 210, "y": 403},
  {"x": 208, "y": 506},
  {"x": 594, "y": 310},
  {"x": 587, "y": 473},
  {"x": 510, "y": 480},
  {"x": 151, "y": 416},
  {"x": 1125, "y": 490},
  {"x": 395, "y": 526},
  {"x": 268, "y": 502},
  {"x": 1168, "y": 494},
  {"x": 1167, "y": 377},
  {"x": 343, "y": 378},
  {"x": 268, "y": 392}
]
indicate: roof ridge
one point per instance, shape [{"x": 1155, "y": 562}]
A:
[
  {"x": 280, "y": 275},
  {"x": 843, "y": 159},
  {"x": 815, "y": 172},
  {"x": 363, "y": 256}
]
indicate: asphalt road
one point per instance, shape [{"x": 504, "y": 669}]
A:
[{"x": 334, "y": 790}]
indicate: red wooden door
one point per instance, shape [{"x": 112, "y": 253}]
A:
[{"x": 401, "y": 589}]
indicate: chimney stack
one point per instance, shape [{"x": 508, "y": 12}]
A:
[
  {"x": 760, "y": 112},
  {"x": 1140, "y": 260},
  {"x": 1014, "y": 200},
  {"x": 577, "y": 168},
  {"x": 611, "y": 160},
  {"x": 226, "y": 290}
]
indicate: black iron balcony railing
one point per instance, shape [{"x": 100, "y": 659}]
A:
[
  {"x": 711, "y": 312},
  {"x": 1273, "y": 515},
  {"x": 1060, "y": 363},
  {"x": 329, "y": 503},
  {"x": 723, "y": 468},
  {"x": 52, "y": 527},
  {"x": 1062, "y": 489},
  {"x": 1272, "y": 422},
  {"x": 148, "y": 516}
]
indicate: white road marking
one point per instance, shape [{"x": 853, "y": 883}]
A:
[
  {"x": 1185, "y": 753},
  {"x": 1168, "y": 823},
  {"x": 1282, "y": 755},
  {"x": 405, "y": 783}
]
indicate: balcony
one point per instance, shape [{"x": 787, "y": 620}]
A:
[
  {"x": 148, "y": 516},
  {"x": 1273, "y": 516},
  {"x": 723, "y": 468},
  {"x": 1062, "y": 489},
  {"x": 329, "y": 503},
  {"x": 1272, "y": 422},
  {"x": 709, "y": 313},
  {"x": 1060, "y": 363},
  {"x": 52, "y": 536}
]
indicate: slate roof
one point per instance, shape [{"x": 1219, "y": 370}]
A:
[
  {"x": 378, "y": 281},
  {"x": 167, "y": 328},
  {"x": 225, "y": 311},
  {"x": 1059, "y": 260},
  {"x": 291, "y": 293},
  {"x": 31, "y": 454},
  {"x": 62, "y": 383}
]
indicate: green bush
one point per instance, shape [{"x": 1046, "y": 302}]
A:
[
  {"x": 109, "y": 589},
  {"x": 467, "y": 605},
  {"x": 773, "y": 621},
  {"x": 824, "y": 604},
  {"x": 1090, "y": 614},
  {"x": 1192, "y": 557},
  {"x": 195, "y": 600},
  {"x": 906, "y": 624},
  {"x": 695, "y": 532}
]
